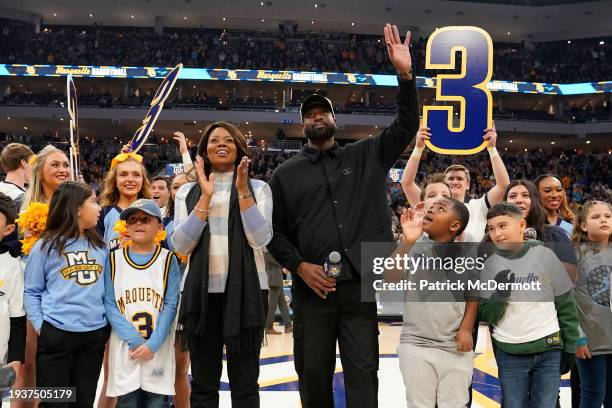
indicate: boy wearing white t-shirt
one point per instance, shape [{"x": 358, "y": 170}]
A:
[{"x": 534, "y": 317}]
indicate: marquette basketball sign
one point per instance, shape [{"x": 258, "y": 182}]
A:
[
  {"x": 164, "y": 90},
  {"x": 468, "y": 88}
]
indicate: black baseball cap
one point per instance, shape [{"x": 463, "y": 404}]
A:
[{"x": 316, "y": 100}]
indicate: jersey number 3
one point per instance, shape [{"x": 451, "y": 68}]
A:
[
  {"x": 468, "y": 88},
  {"x": 145, "y": 324}
]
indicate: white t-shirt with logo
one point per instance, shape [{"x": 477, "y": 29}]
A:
[{"x": 530, "y": 314}]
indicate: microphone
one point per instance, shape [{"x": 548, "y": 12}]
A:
[{"x": 333, "y": 264}]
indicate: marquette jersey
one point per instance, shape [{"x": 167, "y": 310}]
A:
[{"x": 139, "y": 294}]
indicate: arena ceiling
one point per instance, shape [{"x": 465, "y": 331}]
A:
[{"x": 557, "y": 20}]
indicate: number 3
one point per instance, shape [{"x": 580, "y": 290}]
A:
[
  {"x": 469, "y": 88},
  {"x": 145, "y": 328}
]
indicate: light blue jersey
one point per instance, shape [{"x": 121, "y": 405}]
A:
[{"x": 67, "y": 289}]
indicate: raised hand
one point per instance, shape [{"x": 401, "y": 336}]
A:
[
  {"x": 399, "y": 53},
  {"x": 242, "y": 176},
  {"x": 412, "y": 224},
  {"x": 127, "y": 147},
  {"x": 423, "y": 135},
  {"x": 182, "y": 142},
  {"x": 490, "y": 135},
  {"x": 207, "y": 184}
]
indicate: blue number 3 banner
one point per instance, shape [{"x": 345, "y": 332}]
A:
[{"x": 468, "y": 88}]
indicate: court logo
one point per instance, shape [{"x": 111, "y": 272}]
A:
[{"x": 79, "y": 267}]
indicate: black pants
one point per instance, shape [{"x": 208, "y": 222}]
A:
[
  {"x": 318, "y": 324},
  {"x": 70, "y": 359},
  {"x": 206, "y": 363}
]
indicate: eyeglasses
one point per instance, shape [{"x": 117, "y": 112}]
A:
[{"x": 142, "y": 220}]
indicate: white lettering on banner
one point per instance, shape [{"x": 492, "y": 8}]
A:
[
  {"x": 115, "y": 72},
  {"x": 503, "y": 86},
  {"x": 309, "y": 77}
]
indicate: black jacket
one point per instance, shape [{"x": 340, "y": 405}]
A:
[{"x": 337, "y": 199}]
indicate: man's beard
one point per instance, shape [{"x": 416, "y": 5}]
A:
[{"x": 320, "y": 135}]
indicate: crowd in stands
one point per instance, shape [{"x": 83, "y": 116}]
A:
[
  {"x": 556, "y": 62},
  {"x": 200, "y": 99},
  {"x": 585, "y": 176}
]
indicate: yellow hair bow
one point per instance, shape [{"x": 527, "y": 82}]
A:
[
  {"x": 32, "y": 160},
  {"x": 121, "y": 157}
]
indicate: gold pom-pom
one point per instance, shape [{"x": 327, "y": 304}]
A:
[{"x": 32, "y": 221}]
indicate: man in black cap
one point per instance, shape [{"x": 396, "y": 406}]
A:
[{"x": 331, "y": 198}]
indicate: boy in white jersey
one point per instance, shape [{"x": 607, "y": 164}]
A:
[{"x": 142, "y": 288}]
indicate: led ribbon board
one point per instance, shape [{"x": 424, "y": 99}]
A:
[
  {"x": 297, "y": 77},
  {"x": 164, "y": 90},
  {"x": 468, "y": 88},
  {"x": 71, "y": 98}
]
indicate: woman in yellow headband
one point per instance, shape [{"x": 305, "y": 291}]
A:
[{"x": 126, "y": 182}]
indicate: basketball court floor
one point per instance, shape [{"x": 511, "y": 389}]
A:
[{"x": 279, "y": 386}]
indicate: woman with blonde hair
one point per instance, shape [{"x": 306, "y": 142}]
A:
[
  {"x": 50, "y": 168},
  {"x": 126, "y": 182}
]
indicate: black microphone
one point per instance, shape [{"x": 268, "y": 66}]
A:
[{"x": 333, "y": 264}]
